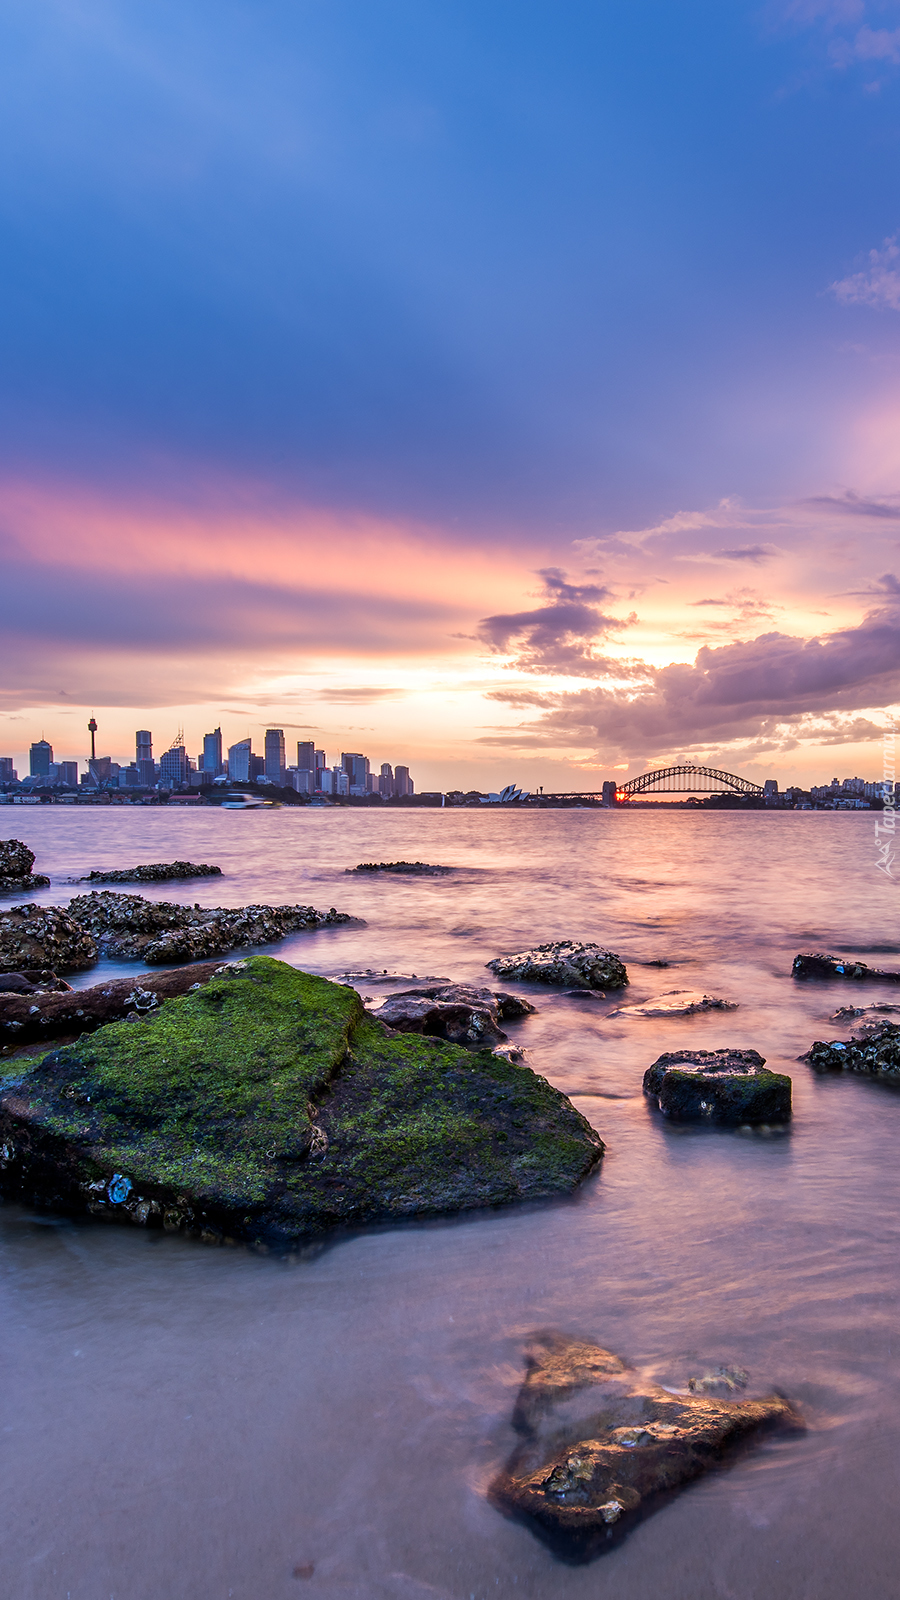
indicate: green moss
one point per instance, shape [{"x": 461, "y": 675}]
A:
[{"x": 270, "y": 1104}]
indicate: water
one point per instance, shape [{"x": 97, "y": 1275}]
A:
[{"x": 197, "y": 1424}]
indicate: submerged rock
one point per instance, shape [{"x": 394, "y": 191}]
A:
[
  {"x": 29, "y": 1013},
  {"x": 423, "y": 868},
  {"x": 267, "y": 1106},
  {"x": 603, "y": 1446},
  {"x": 44, "y": 937},
  {"x": 463, "y": 1014},
  {"x": 155, "y": 872},
  {"x": 876, "y": 1052},
  {"x": 128, "y": 927},
  {"x": 570, "y": 965},
  {"x": 676, "y": 1003},
  {"x": 16, "y": 862},
  {"x": 818, "y": 966},
  {"x": 731, "y": 1086}
]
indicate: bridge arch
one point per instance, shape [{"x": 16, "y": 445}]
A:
[{"x": 687, "y": 778}]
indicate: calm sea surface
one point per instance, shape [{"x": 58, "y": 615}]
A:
[{"x": 183, "y": 1423}]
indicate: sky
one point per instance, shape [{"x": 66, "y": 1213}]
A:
[{"x": 509, "y": 389}]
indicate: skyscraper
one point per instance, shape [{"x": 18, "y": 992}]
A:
[
  {"x": 212, "y": 753},
  {"x": 403, "y": 783},
  {"x": 275, "y": 762},
  {"x": 146, "y": 772},
  {"x": 41, "y": 755},
  {"x": 306, "y": 755},
  {"x": 356, "y": 767},
  {"x": 173, "y": 765},
  {"x": 239, "y": 761},
  {"x": 8, "y": 773},
  {"x": 386, "y": 781}
]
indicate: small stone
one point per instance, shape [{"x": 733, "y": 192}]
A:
[
  {"x": 564, "y": 963},
  {"x": 726, "y": 1086}
]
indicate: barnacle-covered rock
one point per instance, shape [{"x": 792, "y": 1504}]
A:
[
  {"x": 566, "y": 964},
  {"x": 128, "y": 927},
  {"x": 16, "y": 862},
  {"x": 456, "y": 1011},
  {"x": 44, "y": 937},
  {"x": 874, "y": 1052},
  {"x": 155, "y": 872}
]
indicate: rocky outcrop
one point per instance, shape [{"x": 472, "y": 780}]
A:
[
  {"x": 566, "y": 964},
  {"x": 266, "y": 1106},
  {"x": 44, "y": 937},
  {"x": 603, "y": 1445},
  {"x": 463, "y": 1014},
  {"x": 818, "y": 966},
  {"x": 155, "y": 872},
  {"x": 29, "y": 1013},
  {"x": 875, "y": 1052},
  {"x": 730, "y": 1086},
  {"x": 127, "y": 927},
  {"x": 676, "y": 1003},
  {"x": 422, "y": 868},
  {"x": 16, "y": 862}
]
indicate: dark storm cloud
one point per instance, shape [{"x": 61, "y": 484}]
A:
[{"x": 559, "y": 637}]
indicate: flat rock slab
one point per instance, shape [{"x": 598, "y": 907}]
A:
[
  {"x": 463, "y": 1014},
  {"x": 729, "y": 1086},
  {"x": 604, "y": 1446},
  {"x": 876, "y": 1053},
  {"x": 676, "y": 1003},
  {"x": 566, "y": 964},
  {"x": 819, "y": 966},
  {"x": 155, "y": 872},
  {"x": 266, "y": 1106},
  {"x": 423, "y": 869},
  {"x": 40, "y": 1013}
]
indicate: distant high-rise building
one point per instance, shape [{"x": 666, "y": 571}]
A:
[
  {"x": 257, "y": 766},
  {"x": 386, "y": 781},
  {"x": 212, "y": 753},
  {"x": 306, "y": 755},
  {"x": 303, "y": 780},
  {"x": 274, "y": 760},
  {"x": 324, "y": 780},
  {"x": 8, "y": 773},
  {"x": 340, "y": 781},
  {"x": 403, "y": 783},
  {"x": 41, "y": 755},
  {"x": 143, "y": 759},
  {"x": 67, "y": 774},
  {"x": 239, "y": 761},
  {"x": 356, "y": 767},
  {"x": 99, "y": 770},
  {"x": 173, "y": 765}
]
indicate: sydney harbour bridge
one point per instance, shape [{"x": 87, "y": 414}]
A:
[{"x": 686, "y": 778}]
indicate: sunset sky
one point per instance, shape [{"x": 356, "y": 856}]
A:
[{"x": 507, "y": 388}]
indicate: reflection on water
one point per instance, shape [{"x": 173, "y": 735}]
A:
[{"x": 184, "y": 1422}]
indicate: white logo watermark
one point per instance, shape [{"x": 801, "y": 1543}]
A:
[{"x": 888, "y": 820}]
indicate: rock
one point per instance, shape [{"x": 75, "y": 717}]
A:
[
  {"x": 730, "y": 1086},
  {"x": 676, "y": 1003},
  {"x": 155, "y": 872},
  {"x": 43, "y": 937},
  {"x": 34, "y": 980},
  {"x": 817, "y": 966},
  {"x": 572, "y": 966},
  {"x": 266, "y": 1106},
  {"x": 876, "y": 1053},
  {"x": 31, "y": 1013},
  {"x": 464, "y": 1015},
  {"x": 603, "y": 1446},
  {"x": 128, "y": 927},
  {"x": 423, "y": 868},
  {"x": 16, "y": 862}
]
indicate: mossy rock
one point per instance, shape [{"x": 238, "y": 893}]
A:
[
  {"x": 267, "y": 1106},
  {"x": 728, "y": 1086}
]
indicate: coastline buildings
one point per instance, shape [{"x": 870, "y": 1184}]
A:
[{"x": 274, "y": 758}]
